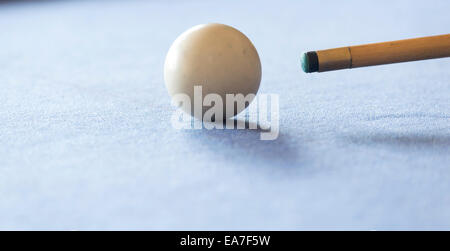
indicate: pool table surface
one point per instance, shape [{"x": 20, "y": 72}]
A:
[{"x": 86, "y": 140}]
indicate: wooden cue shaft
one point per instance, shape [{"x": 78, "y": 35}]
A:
[{"x": 380, "y": 53}]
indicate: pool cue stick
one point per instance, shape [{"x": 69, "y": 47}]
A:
[{"x": 377, "y": 54}]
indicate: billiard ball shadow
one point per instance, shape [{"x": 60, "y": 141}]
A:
[{"x": 245, "y": 144}]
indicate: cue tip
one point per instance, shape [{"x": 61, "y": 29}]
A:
[{"x": 310, "y": 62}]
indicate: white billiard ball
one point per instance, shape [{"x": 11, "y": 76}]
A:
[{"x": 217, "y": 57}]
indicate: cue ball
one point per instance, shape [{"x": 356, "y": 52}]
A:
[{"x": 217, "y": 57}]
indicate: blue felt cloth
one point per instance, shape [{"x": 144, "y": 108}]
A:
[{"x": 86, "y": 140}]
